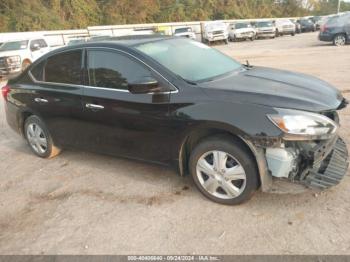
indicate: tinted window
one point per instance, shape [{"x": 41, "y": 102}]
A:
[
  {"x": 42, "y": 43},
  {"x": 33, "y": 43},
  {"x": 191, "y": 60},
  {"x": 183, "y": 30},
  {"x": 64, "y": 68},
  {"x": 114, "y": 70},
  {"x": 38, "y": 71}
]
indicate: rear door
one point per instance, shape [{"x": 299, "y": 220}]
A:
[
  {"x": 117, "y": 121},
  {"x": 56, "y": 95}
]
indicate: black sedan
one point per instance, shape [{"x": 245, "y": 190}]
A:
[
  {"x": 232, "y": 127},
  {"x": 306, "y": 25}
]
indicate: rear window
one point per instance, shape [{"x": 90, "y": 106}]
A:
[
  {"x": 64, "y": 68},
  {"x": 182, "y": 30}
]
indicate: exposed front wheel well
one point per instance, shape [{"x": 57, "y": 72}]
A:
[{"x": 196, "y": 137}]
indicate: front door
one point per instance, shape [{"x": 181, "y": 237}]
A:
[{"x": 117, "y": 121}]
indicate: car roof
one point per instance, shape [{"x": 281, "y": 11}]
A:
[
  {"x": 132, "y": 40},
  {"x": 24, "y": 39},
  {"x": 120, "y": 42}
]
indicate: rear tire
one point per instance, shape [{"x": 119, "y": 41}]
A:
[
  {"x": 39, "y": 138},
  {"x": 237, "y": 179},
  {"x": 339, "y": 40}
]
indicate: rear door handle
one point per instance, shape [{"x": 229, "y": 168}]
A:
[
  {"x": 95, "y": 107},
  {"x": 40, "y": 100}
]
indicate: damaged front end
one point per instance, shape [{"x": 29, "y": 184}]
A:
[
  {"x": 310, "y": 153},
  {"x": 315, "y": 164}
]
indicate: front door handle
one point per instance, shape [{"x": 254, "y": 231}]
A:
[
  {"x": 40, "y": 100},
  {"x": 95, "y": 107}
]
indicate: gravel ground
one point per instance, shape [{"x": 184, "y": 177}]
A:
[{"x": 83, "y": 203}]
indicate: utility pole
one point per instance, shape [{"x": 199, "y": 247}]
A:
[{"x": 338, "y": 6}]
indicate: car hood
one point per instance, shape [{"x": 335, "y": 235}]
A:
[
  {"x": 275, "y": 88},
  {"x": 11, "y": 53}
]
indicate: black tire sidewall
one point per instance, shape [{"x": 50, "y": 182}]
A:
[
  {"x": 237, "y": 151},
  {"x": 36, "y": 120}
]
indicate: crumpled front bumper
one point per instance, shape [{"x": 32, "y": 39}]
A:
[{"x": 331, "y": 170}]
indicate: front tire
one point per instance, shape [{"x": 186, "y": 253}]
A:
[
  {"x": 39, "y": 138},
  {"x": 224, "y": 170}
]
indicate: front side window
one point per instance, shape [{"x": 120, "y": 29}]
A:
[
  {"x": 189, "y": 59},
  {"x": 113, "y": 70},
  {"x": 64, "y": 68}
]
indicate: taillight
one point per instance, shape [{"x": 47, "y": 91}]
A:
[
  {"x": 5, "y": 90},
  {"x": 324, "y": 28}
]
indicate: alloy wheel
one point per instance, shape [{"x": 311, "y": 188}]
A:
[
  {"x": 339, "y": 40},
  {"x": 221, "y": 175},
  {"x": 37, "y": 138}
]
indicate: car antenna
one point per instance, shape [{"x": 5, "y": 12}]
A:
[{"x": 248, "y": 64}]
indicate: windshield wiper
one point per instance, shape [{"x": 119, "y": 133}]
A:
[{"x": 187, "y": 81}]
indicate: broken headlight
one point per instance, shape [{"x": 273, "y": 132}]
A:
[{"x": 299, "y": 125}]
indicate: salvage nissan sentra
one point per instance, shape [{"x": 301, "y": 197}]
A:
[{"x": 232, "y": 127}]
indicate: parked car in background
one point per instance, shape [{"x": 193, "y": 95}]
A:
[
  {"x": 316, "y": 20},
  {"x": 297, "y": 26},
  {"x": 170, "y": 100},
  {"x": 16, "y": 56},
  {"x": 215, "y": 31},
  {"x": 243, "y": 30},
  {"x": 336, "y": 30},
  {"x": 306, "y": 25},
  {"x": 285, "y": 27},
  {"x": 185, "y": 32},
  {"x": 265, "y": 29}
]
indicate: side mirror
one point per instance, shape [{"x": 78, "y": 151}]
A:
[
  {"x": 36, "y": 47},
  {"x": 143, "y": 86}
]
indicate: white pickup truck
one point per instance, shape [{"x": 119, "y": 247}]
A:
[
  {"x": 16, "y": 56},
  {"x": 242, "y": 30},
  {"x": 285, "y": 27},
  {"x": 215, "y": 31},
  {"x": 185, "y": 32}
]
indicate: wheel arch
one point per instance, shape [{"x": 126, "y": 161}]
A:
[
  {"x": 22, "y": 117},
  {"x": 27, "y": 60},
  {"x": 196, "y": 136}
]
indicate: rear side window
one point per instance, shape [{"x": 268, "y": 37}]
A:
[
  {"x": 38, "y": 71},
  {"x": 64, "y": 68},
  {"x": 114, "y": 70}
]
